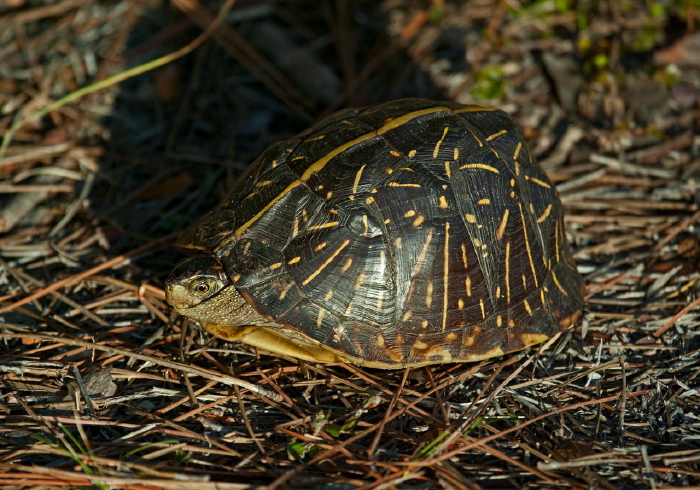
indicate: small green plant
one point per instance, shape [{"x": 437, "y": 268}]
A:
[
  {"x": 299, "y": 451},
  {"x": 71, "y": 444},
  {"x": 489, "y": 83}
]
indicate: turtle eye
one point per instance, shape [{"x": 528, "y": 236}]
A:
[{"x": 202, "y": 287}]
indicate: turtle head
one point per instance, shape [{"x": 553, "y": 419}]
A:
[
  {"x": 195, "y": 280},
  {"x": 200, "y": 288}
]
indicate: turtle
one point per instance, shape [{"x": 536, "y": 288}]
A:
[{"x": 403, "y": 234}]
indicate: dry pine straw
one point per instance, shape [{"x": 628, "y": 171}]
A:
[{"x": 613, "y": 401}]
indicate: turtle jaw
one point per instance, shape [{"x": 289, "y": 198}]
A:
[{"x": 195, "y": 280}]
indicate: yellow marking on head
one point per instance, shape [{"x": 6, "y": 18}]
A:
[
  {"x": 482, "y": 166},
  {"x": 496, "y": 135},
  {"x": 460, "y": 303},
  {"x": 420, "y": 345},
  {"x": 263, "y": 183},
  {"x": 538, "y": 182},
  {"x": 484, "y": 202},
  {"x": 396, "y": 184},
  {"x": 507, "y": 278},
  {"x": 294, "y": 260},
  {"x": 468, "y": 284},
  {"x": 358, "y": 176},
  {"x": 437, "y": 146},
  {"x": 502, "y": 227},
  {"x": 395, "y": 153},
  {"x": 380, "y": 340},
  {"x": 545, "y": 214},
  {"x": 455, "y": 154},
  {"x": 527, "y": 245},
  {"x": 418, "y": 221},
  {"x": 319, "y": 319},
  {"x": 346, "y": 266},
  {"x": 429, "y": 295},
  {"x": 320, "y": 246},
  {"x": 445, "y": 274},
  {"x": 517, "y": 150},
  {"x": 411, "y": 153},
  {"x": 470, "y": 218},
  {"x": 499, "y": 320},
  {"x": 409, "y": 213},
  {"x": 286, "y": 290},
  {"x": 533, "y": 338},
  {"x": 483, "y": 309},
  {"x": 443, "y": 202},
  {"x": 330, "y": 224},
  {"x": 325, "y": 264},
  {"x": 369, "y": 200},
  {"x": 359, "y": 280},
  {"x": 276, "y": 265},
  {"x": 328, "y": 295},
  {"x": 556, "y": 281},
  {"x": 407, "y": 315}
]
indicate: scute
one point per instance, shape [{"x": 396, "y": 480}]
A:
[{"x": 403, "y": 234}]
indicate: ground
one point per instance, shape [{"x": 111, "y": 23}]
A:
[{"x": 105, "y": 160}]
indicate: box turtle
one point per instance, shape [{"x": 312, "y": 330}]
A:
[{"x": 402, "y": 234}]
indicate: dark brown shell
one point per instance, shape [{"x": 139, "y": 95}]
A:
[{"x": 406, "y": 232}]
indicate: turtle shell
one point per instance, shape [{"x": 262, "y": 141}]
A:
[{"x": 402, "y": 234}]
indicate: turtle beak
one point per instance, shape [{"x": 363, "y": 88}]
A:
[{"x": 178, "y": 297}]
